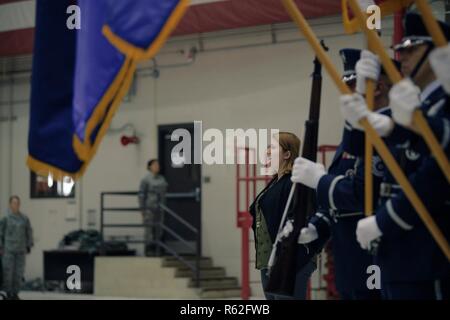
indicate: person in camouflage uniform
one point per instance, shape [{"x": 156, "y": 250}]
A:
[
  {"x": 152, "y": 190},
  {"x": 16, "y": 240}
]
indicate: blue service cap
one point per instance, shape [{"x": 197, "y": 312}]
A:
[
  {"x": 415, "y": 32},
  {"x": 349, "y": 58}
]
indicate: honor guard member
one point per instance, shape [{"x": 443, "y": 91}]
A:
[
  {"x": 411, "y": 263},
  {"x": 341, "y": 217},
  {"x": 16, "y": 240}
]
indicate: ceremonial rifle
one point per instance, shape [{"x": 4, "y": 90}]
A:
[{"x": 283, "y": 264}]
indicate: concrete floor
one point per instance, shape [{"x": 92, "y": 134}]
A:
[{"x": 35, "y": 295}]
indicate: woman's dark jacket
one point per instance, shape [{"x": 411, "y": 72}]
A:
[{"x": 272, "y": 204}]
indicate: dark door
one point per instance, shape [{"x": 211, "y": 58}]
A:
[{"x": 182, "y": 179}]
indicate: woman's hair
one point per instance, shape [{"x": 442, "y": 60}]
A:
[
  {"x": 14, "y": 197},
  {"x": 288, "y": 142},
  {"x": 150, "y": 162}
]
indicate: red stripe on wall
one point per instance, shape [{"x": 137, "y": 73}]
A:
[
  {"x": 8, "y": 1},
  {"x": 16, "y": 42},
  {"x": 202, "y": 18},
  {"x": 246, "y": 13}
]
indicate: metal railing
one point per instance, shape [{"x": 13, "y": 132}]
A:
[{"x": 194, "y": 266}]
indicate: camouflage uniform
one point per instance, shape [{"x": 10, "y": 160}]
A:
[
  {"x": 152, "y": 189},
  {"x": 16, "y": 240}
]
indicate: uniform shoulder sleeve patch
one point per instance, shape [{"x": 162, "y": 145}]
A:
[{"x": 377, "y": 166}]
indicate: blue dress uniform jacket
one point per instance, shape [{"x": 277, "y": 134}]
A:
[
  {"x": 407, "y": 252},
  {"x": 340, "y": 198},
  {"x": 346, "y": 191}
]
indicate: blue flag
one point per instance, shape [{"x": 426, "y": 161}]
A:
[
  {"x": 81, "y": 76},
  {"x": 51, "y": 123}
]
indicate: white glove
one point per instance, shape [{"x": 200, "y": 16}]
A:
[
  {"x": 308, "y": 234},
  {"x": 307, "y": 172},
  {"x": 287, "y": 229},
  {"x": 367, "y": 67},
  {"x": 367, "y": 230},
  {"x": 404, "y": 99},
  {"x": 353, "y": 108},
  {"x": 440, "y": 62},
  {"x": 382, "y": 124}
]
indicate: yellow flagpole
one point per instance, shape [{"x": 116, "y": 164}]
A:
[
  {"x": 379, "y": 145},
  {"x": 368, "y": 178}
]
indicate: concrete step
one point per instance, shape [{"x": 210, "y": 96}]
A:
[
  {"x": 185, "y": 256},
  {"x": 209, "y": 276},
  {"x": 216, "y": 282},
  {"x": 139, "y": 277},
  {"x": 175, "y": 263},
  {"x": 220, "y": 293},
  {"x": 204, "y": 272}
]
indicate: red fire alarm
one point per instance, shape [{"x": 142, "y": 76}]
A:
[{"x": 124, "y": 140}]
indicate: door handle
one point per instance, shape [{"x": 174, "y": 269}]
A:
[{"x": 197, "y": 194}]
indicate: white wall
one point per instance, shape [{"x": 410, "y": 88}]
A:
[{"x": 255, "y": 87}]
